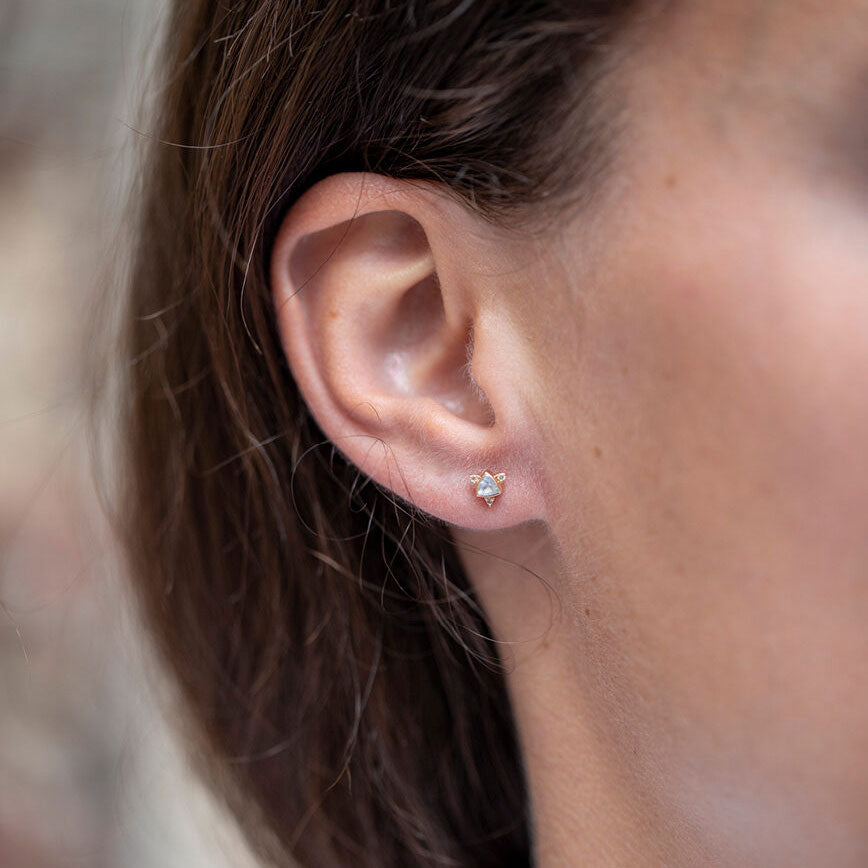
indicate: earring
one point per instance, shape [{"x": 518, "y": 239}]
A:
[{"x": 488, "y": 485}]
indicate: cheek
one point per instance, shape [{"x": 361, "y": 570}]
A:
[
  {"x": 724, "y": 378},
  {"x": 747, "y": 355}
]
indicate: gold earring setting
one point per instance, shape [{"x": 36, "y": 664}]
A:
[{"x": 488, "y": 485}]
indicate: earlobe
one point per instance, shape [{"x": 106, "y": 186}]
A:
[{"x": 379, "y": 309}]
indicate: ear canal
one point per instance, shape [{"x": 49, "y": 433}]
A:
[{"x": 422, "y": 348}]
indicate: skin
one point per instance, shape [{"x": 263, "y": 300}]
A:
[{"x": 675, "y": 384}]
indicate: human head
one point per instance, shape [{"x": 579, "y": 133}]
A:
[{"x": 578, "y": 243}]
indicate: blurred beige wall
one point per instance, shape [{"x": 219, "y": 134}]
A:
[{"x": 89, "y": 773}]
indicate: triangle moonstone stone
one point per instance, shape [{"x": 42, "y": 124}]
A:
[{"x": 487, "y": 486}]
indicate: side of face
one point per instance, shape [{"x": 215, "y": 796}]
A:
[
  {"x": 674, "y": 381},
  {"x": 705, "y": 374}
]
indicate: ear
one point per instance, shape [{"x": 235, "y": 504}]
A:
[{"x": 386, "y": 294}]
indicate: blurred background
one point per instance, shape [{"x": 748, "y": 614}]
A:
[{"x": 90, "y": 772}]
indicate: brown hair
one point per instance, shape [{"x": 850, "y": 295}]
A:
[{"x": 327, "y": 644}]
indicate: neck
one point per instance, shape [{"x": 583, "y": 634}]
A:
[{"x": 589, "y": 805}]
